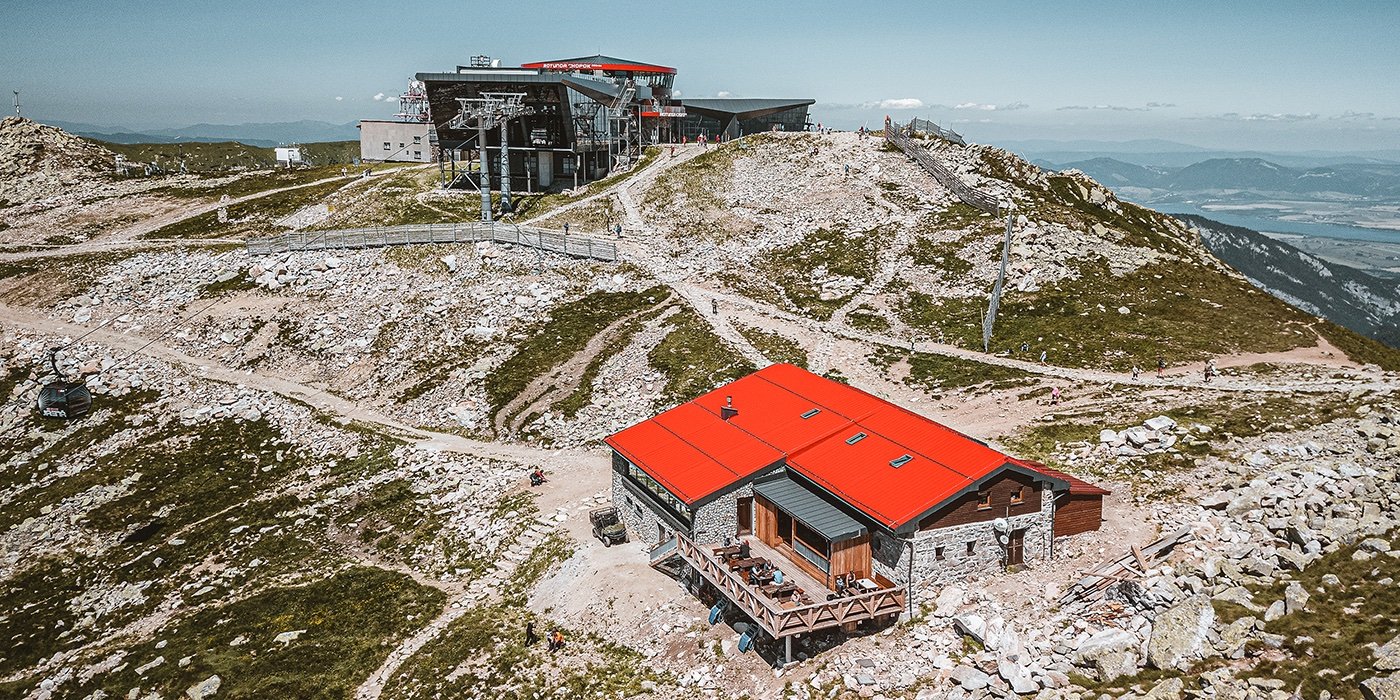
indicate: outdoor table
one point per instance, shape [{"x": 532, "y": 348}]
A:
[
  {"x": 866, "y": 585},
  {"x": 726, "y": 552},
  {"x": 735, "y": 564}
]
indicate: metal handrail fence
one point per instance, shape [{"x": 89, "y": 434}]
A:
[
  {"x": 552, "y": 240},
  {"x": 972, "y": 197}
]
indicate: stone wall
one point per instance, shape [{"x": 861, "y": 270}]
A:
[
  {"x": 640, "y": 514},
  {"x": 890, "y": 554},
  {"x": 719, "y": 518}
]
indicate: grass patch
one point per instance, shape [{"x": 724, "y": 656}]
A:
[
  {"x": 940, "y": 255},
  {"x": 226, "y": 156},
  {"x": 868, "y": 319},
  {"x": 350, "y": 620},
  {"x": 1185, "y": 312},
  {"x": 696, "y": 184},
  {"x": 694, "y": 360},
  {"x": 800, "y": 268},
  {"x": 1359, "y": 348},
  {"x": 774, "y": 346},
  {"x": 939, "y": 373},
  {"x": 569, "y": 328},
  {"x": 582, "y": 395},
  {"x": 255, "y": 216},
  {"x": 233, "y": 285}
]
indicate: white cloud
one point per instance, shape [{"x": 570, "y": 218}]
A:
[
  {"x": 978, "y": 106},
  {"x": 901, "y": 103},
  {"x": 1275, "y": 117},
  {"x": 724, "y": 93},
  {"x": 1356, "y": 116},
  {"x": 379, "y": 97},
  {"x": 1118, "y": 108},
  {"x": 1160, "y": 105},
  {"x": 675, "y": 93},
  {"x": 338, "y": 98}
]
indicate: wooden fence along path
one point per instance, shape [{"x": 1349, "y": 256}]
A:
[
  {"x": 777, "y": 620},
  {"x": 552, "y": 240},
  {"x": 971, "y": 197}
]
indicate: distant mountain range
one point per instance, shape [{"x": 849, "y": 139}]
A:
[
  {"x": 263, "y": 135},
  {"x": 1344, "y": 295},
  {"x": 1170, "y": 154},
  {"x": 1371, "y": 181}
]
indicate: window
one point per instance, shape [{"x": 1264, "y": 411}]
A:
[
  {"x": 418, "y": 139},
  {"x": 971, "y": 548},
  {"x": 900, "y": 461},
  {"x": 938, "y": 553},
  {"x": 1018, "y": 495},
  {"x": 658, "y": 490},
  {"x": 418, "y": 155},
  {"x": 811, "y": 413},
  {"x": 386, "y": 145},
  {"x": 401, "y": 144},
  {"x": 855, "y": 438},
  {"x": 984, "y": 500}
]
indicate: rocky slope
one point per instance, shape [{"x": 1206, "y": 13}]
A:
[
  {"x": 1344, "y": 295},
  {"x": 39, "y": 161}
]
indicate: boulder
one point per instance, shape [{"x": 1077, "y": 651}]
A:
[
  {"x": 1109, "y": 651},
  {"x": 1179, "y": 634},
  {"x": 1388, "y": 655},
  {"x": 1295, "y": 598},
  {"x": 1276, "y": 610},
  {"x": 972, "y": 625},
  {"x": 1160, "y": 423},
  {"x": 950, "y": 599},
  {"x": 1169, "y": 689},
  {"x": 1381, "y": 688},
  {"x": 970, "y": 678},
  {"x": 1017, "y": 676},
  {"x": 204, "y": 689}
]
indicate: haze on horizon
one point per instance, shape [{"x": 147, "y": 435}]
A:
[{"x": 1284, "y": 75}]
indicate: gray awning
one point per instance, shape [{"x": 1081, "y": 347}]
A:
[{"x": 814, "y": 511}]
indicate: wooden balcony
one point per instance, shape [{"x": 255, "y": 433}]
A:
[{"x": 783, "y": 620}]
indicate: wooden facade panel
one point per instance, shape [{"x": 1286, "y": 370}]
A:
[
  {"x": 964, "y": 509},
  {"x": 765, "y": 521},
  {"x": 1077, "y": 514},
  {"x": 851, "y": 557}
]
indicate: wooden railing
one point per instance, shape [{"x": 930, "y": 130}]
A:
[
  {"x": 530, "y": 236},
  {"x": 972, "y": 197},
  {"x": 778, "y": 621}
]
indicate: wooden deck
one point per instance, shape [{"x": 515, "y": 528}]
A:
[{"x": 775, "y": 619}]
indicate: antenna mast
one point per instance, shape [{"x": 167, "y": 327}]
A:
[{"x": 16, "y": 103}]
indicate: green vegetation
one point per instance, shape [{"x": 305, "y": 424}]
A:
[
  {"x": 583, "y": 393},
  {"x": 233, "y": 285},
  {"x": 1359, "y": 348},
  {"x": 1240, "y": 416},
  {"x": 940, "y": 373},
  {"x": 699, "y": 180},
  {"x": 868, "y": 319},
  {"x": 799, "y": 269},
  {"x": 1184, "y": 312},
  {"x": 434, "y": 369},
  {"x": 694, "y": 360},
  {"x": 394, "y": 201},
  {"x": 569, "y": 328},
  {"x": 44, "y": 280},
  {"x": 255, "y": 216},
  {"x": 774, "y": 346},
  {"x": 224, "y": 156},
  {"x": 349, "y": 621},
  {"x": 939, "y": 255}
]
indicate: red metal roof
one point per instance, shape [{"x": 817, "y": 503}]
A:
[
  {"x": 1077, "y": 486},
  {"x": 696, "y": 453},
  {"x": 599, "y": 62}
]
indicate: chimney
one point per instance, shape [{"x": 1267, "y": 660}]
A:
[{"x": 728, "y": 411}]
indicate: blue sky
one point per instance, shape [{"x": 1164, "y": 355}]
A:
[{"x": 1241, "y": 74}]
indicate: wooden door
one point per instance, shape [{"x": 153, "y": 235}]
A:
[
  {"x": 1015, "y": 548},
  {"x": 745, "y": 513}
]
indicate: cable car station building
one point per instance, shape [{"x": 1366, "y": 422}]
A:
[
  {"x": 830, "y": 482},
  {"x": 585, "y": 117}
]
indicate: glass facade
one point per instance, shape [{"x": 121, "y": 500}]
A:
[{"x": 659, "y": 491}]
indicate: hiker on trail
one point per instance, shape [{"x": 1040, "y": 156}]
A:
[
  {"x": 618, "y": 229},
  {"x": 566, "y": 228},
  {"x": 1042, "y": 357},
  {"x": 1025, "y": 347},
  {"x": 530, "y": 637},
  {"x": 556, "y": 640},
  {"x": 714, "y": 307},
  {"x": 1136, "y": 371},
  {"x": 673, "y": 150},
  {"x": 1210, "y": 368},
  {"x": 1055, "y": 396},
  {"x": 848, "y": 170},
  {"x": 1161, "y": 365}
]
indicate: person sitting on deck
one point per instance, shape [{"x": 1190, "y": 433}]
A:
[
  {"x": 777, "y": 576},
  {"x": 744, "y": 550}
]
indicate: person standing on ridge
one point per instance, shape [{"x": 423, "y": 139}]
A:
[{"x": 1161, "y": 366}]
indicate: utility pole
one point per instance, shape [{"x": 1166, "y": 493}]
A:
[
  {"x": 488, "y": 111},
  {"x": 17, "y": 103}
]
